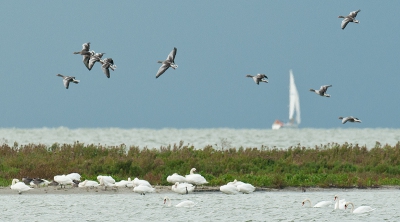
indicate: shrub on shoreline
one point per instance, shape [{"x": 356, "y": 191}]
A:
[{"x": 331, "y": 165}]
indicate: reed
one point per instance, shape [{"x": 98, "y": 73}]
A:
[{"x": 330, "y": 165}]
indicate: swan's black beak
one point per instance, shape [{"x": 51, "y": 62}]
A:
[
  {"x": 302, "y": 204},
  {"x": 164, "y": 201}
]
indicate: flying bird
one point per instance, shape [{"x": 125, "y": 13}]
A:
[
  {"x": 68, "y": 79},
  {"x": 94, "y": 58},
  {"x": 349, "y": 119},
  {"x": 259, "y": 78},
  {"x": 350, "y": 18},
  {"x": 106, "y": 64},
  {"x": 86, "y": 53},
  {"x": 169, "y": 62},
  {"x": 322, "y": 91}
]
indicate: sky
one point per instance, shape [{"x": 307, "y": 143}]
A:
[{"x": 218, "y": 43}]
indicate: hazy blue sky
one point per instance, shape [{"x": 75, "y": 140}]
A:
[{"x": 218, "y": 42}]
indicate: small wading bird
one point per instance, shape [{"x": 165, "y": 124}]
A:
[
  {"x": 169, "y": 62},
  {"x": 349, "y": 119},
  {"x": 350, "y": 18},
  {"x": 86, "y": 54},
  {"x": 68, "y": 79},
  {"x": 259, "y": 78},
  {"x": 106, "y": 64},
  {"x": 322, "y": 91}
]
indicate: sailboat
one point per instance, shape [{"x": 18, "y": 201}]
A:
[{"x": 294, "y": 107}]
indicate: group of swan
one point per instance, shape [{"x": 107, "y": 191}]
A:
[
  {"x": 237, "y": 186},
  {"x": 184, "y": 184},
  {"x": 340, "y": 205}
]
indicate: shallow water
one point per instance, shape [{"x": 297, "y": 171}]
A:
[
  {"x": 217, "y": 137},
  {"x": 211, "y": 206}
]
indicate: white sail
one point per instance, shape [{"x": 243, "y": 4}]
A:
[{"x": 294, "y": 101}]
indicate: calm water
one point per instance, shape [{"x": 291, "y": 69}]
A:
[
  {"x": 201, "y": 137},
  {"x": 213, "y": 206}
]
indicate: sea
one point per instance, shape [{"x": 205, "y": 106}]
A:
[
  {"x": 210, "y": 206},
  {"x": 219, "y": 138}
]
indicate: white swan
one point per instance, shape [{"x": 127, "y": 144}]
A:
[
  {"x": 130, "y": 183},
  {"x": 339, "y": 203},
  {"x": 195, "y": 178},
  {"x": 186, "y": 203},
  {"x": 63, "y": 180},
  {"x": 74, "y": 176},
  {"x": 106, "y": 181},
  {"x": 319, "y": 204},
  {"x": 137, "y": 182},
  {"x": 235, "y": 183},
  {"x": 88, "y": 183},
  {"x": 122, "y": 183},
  {"x": 360, "y": 209},
  {"x": 19, "y": 186},
  {"x": 176, "y": 178},
  {"x": 182, "y": 188},
  {"x": 245, "y": 188},
  {"x": 143, "y": 189},
  {"x": 229, "y": 189}
]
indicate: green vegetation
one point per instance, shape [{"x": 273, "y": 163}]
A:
[{"x": 331, "y": 165}]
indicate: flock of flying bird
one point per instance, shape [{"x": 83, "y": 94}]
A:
[
  {"x": 90, "y": 58},
  {"x": 322, "y": 91}
]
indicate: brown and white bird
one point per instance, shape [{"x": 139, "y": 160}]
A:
[
  {"x": 259, "y": 78},
  {"x": 169, "y": 62},
  {"x": 86, "y": 53},
  {"x": 68, "y": 79},
  {"x": 106, "y": 65},
  {"x": 350, "y": 18},
  {"x": 349, "y": 119},
  {"x": 94, "y": 58},
  {"x": 322, "y": 91}
]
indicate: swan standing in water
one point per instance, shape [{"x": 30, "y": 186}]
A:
[
  {"x": 143, "y": 189},
  {"x": 176, "y": 178},
  {"x": 19, "y": 186},
  {"x": 228, "y": 189},
  {"x": 182, "y": 188},
  {"x": 259, "y": 78},
  {"x": 319, "y": 204},
  {"x": 195, "y": 178},
  {"x": 339, "y": 204},
  {"x": 245, "y": 188},
  {"x": 360, "y": 209},
  {"x": 350, "y": 18},
  {"x": 186, "y": 203},
  {"x": 169, "y": 62}
]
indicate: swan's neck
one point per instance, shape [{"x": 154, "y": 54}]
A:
[
  {"x": 168, "y": 201},
  {"x": 352, "y": 206},
  {"x": 192, "y": 171},
  {"x": 307, "y": 200},
  {"x": 337, "y": 203},
  {"x": 13, "y": 181}
]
